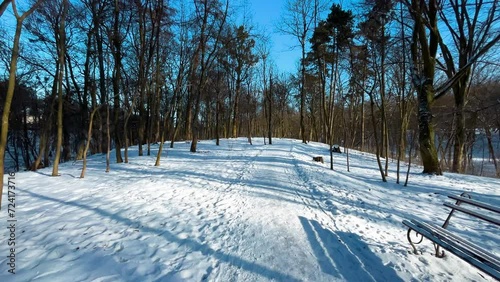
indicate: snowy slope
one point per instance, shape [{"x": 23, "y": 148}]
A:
[{"x": 235, "y": 213}]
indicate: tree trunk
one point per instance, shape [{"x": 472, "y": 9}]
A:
[
  {"x": 116, "y": 40},
  {"x": 108, "y": 138},
  {"x": 87, "y": 145},
  {"x": 47, "y": 127},
  {"x": 3, "y": 6},
  {"x": 236, "y": 107},
  {"x": 403, "y": 111},
  {"x": 303, "y": 93},
  {"x": 162, "y": 137},
  {"x": 492, "y": 150},
  {"x": 8, "y": 101},
  {"x": 423, "y": 79},
  {"x": 426, "y": 142},
  {"x": 218, "y": 109},
  {"x": 125, "y": 134},
  {"x": 12, "y": 83},
  {"x": 362, "y": 122},
  {"x": 377, "y": 143},
  {"x": 149, "y": 121},
  {"x": 174, "y": 134},
  {"x": 270, "y": 110},
  {"x": 383, "y": 128},
  {"x": 62, "y": 49},
  {"x": 412, "y": 144},
  {"x": 160, "y": 149},
  {"x": 125, "y": 128},
  {"x": 459, "y": 94},
  {"x": 195, "y": 123},
  {"x": 141, "y": 75},
  {"x": 102, "y": 76}
]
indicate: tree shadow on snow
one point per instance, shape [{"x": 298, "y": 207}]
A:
[
  {"x": 345, "y": 255},
  {"x": 192, "y": 244}
]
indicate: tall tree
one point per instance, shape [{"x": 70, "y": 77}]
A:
[
  {"x": 61, "y": 50},
  {"x": 12, "y": 84},
  {"x": 239, "y": 59},
  {"x": 424, "y": 47},
  {"x": 375, "y": 30},
  {"x": 267, "y": 99},
  {"x": 298, "y": 21},
  {"x": 146, "y": 35},
  {"x": 116, "y": 49},
  {"x": 142, "y": 57},
  {"x": 98, "y": 13},
  {"x": 405, "y": 95},
  {"x": 474, "y": 30},
  {"x": 330, "y": 39},
  {"x": 269, "y": 103},
  {"x": 87, "y": 144},
  {"x": 426, "y": 40},
  {"x": 358, "y": 80},
  {"x": 212, "y": 17}
]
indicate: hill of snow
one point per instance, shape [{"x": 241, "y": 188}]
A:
[{"x": 235, "y": 212}]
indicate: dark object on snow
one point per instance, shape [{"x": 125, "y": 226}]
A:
[
  {"x": 481, "y": 258},
  {"x": 318, "y": 159},
  {"x": 336, "y": 149}
]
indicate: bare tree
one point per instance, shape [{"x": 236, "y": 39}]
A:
[
  {"x": 425, "y": 40},
  {"x": 12, "y": 84},
  {"x": 116, "y": 49},
  {"x": 87, "y": 144},
  {"x": 267, "y": 99},
  {"x": 212, "y": 22},
  {"x": 374, "y": 29},
  {"x": 330, "y": 40},
  {"x": 3, "y": 6},
  {"x": 61, "y": 50},
  {"x": 474, "y": 30},
  {"x": 404, "y": 96},
  {"x": 474, "y": 37},
  {"x": 298, "y": 21},
  {"x": 239, "y": 46},
  {"x": 108, "y": 138}
]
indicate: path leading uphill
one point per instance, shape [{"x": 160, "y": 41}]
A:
[{"x": 279, "y": 228}]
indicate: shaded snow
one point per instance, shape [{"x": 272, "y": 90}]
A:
[{"x": 236, "y": 213}]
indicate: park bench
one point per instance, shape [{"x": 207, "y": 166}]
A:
[{"x": 473, "y": 254}]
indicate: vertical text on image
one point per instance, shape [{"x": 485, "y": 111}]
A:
[{"x": 11, "y": 222}]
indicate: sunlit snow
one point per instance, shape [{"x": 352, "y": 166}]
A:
[{"x": 236, "y": 212}]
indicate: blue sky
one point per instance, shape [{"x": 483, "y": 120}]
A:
[{"x": 266, "y": 14}]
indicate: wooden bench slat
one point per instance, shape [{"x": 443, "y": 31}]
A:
[
  {"x": 473, "y": 258},
  {"x": 475, "y": 203},
  {"x": 474, "y": 213},
  {"x": 467, "y": 244},
  {"x": 462, "y": 243},
  {"x": 470, "y": 257}
]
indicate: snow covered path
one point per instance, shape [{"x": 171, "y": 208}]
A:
[{"x": 232, "y": 213}]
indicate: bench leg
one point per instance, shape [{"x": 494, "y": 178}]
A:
[
  {"x": 408, "y": 235},
  {"x": 438, "y": 253},
  {"x": 445, "y": 224}
]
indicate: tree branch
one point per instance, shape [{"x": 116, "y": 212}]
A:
[
  {"x": 4, "y": 6},
  {"x": 441, "y": 90}
]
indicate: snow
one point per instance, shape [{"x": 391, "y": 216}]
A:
[{"x": 236, "y": 212}]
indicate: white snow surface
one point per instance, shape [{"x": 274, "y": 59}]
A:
[{"x": 236, "y": 212}]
